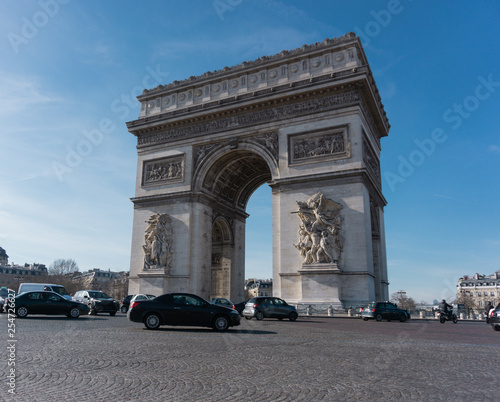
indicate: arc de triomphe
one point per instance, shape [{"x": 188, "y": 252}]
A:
[{"x": 307, "y": 122}]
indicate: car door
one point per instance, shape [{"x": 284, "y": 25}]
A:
[
  {"x": 35, "y": 302},
  {"x": 189, "y": 310},
  {"x": 267, "y": 306},
  {"x": 280, "y": 308},
  {"x": 54, "y": 304},
  {"x": 391, "y": 312}
]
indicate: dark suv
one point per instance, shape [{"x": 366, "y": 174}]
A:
[
  {"x": 269, "y": 307},
  {"x": 99, "y": 302},
  {"x": 384, "y": 311}
]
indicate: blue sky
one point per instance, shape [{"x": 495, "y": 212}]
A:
[{"x": 70, "y": 71}]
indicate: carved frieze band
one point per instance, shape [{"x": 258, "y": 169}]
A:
[
  {"x": 325, "y": 144},
  {"x": 251, "y": 118},
  {"x": 163, "y": 170}
]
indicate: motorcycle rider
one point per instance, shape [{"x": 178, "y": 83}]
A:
[
  {"x": 487, "y": 309},
  {"x": 444, "y": 308}
]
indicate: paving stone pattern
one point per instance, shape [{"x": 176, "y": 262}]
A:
[{"x": 106, "y": 358}]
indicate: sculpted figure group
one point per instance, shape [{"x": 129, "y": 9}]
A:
[
  {"x": 320, "y": 241},
  {"x": 157, "y": 247}
]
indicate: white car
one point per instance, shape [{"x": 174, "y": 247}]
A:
[{"x": 139, "y": 297}]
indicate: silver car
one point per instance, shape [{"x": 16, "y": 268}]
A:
[{"x": 269, "y": 307}]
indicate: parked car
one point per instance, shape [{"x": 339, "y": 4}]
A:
[
  {"x": 495, "y": 318},
  {"x": 384, "y": 311},
  {"x": 99, "y": 302},
  {"x": 182, "y": 309},
  {"x": 49, "y": 303},
  {"x": 4, "y": 294},
  {"x": 46, "y": 287},
  {"x": 269, "y": 307},
  {"x": 220, "y": 301}
]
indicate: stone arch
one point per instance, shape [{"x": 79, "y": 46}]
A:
[{"x": 232, "y": 172}]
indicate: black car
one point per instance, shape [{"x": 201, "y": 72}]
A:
[
  {"x": 4, "y": 295},
  {"x": 126, "y": 303},
  {"x": 269, "y": 307},
  {"x": 495, "y": 318},
  {"x": 99, "y": 302},
  {"x": 384, "y": 311},
  {"x": 49, "y": 303},
  {"x": 182, "y": 309}
]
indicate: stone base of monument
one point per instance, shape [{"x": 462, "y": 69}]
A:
[{"x": 321, "y": 285}]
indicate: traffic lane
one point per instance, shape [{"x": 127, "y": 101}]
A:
[{"x": 464, "y": 332}]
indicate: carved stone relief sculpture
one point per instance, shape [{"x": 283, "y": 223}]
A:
[
  {"x": 158, "y": 243},
  {"x": 319, "y": 231},
  {"x": 329, "y": 144},
  {"x": 163, "y": 171}
]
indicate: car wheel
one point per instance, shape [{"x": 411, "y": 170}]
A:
[
  {"x": 378, "y": 317},
  {"x": 152, "y": 321},
  {"x": 496, "y": 327},
  {"x": 248, "y": 318},
  {"x": 366, "y": 319},
  {"x": 74, "y": 312},
  {"x": 293, "y": 316},
  {"x": 442, "y": 319},
  {"x": 259, "y": 315},
  {"x": 124, "y": 310},
  {"x": 221, "y": 323},
  {"x": 402, "y": 318},
  {"x": 22, "y": 312},
  {"x": 112, "y": 313}
]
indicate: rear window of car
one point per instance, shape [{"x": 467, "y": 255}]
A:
[
  {"x": 252, "y": 300},
  {"x": 61, "y": 290},
  {"x": 99, "y": 295}
]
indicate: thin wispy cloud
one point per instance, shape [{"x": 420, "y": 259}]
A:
[
  {"x": 20, "y": 92},
  {"x": 494, "y": 149}
]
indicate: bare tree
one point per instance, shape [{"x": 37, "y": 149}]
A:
[
  {"x": 467, "y": 300},
  {"x": 63, "y": 267},
  {"x": 403, "y": 301}
]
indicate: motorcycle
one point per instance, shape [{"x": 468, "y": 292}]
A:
[{"x": 443, "y": 317}]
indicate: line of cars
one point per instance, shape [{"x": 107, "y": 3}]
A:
[
  {"x": 53, "y": 299},
  {"x": 178, "y": 308}
]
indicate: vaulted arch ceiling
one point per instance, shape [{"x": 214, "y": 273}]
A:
[{"x": 236, "y": 175}]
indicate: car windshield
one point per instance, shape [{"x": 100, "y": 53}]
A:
[
  {"x": 60, "y": 290},
  {"x": 98, "y": 295}
]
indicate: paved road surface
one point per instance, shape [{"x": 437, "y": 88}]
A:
[{"x": 103, "y": 358}]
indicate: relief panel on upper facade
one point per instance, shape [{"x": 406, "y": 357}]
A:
[
  {"x": 310, "y": 147},
  {"x": 163, "y": 171},
  {"x": 371, "y": 160}
]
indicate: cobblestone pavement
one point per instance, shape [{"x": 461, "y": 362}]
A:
[{"x": 97, "y": 358}]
